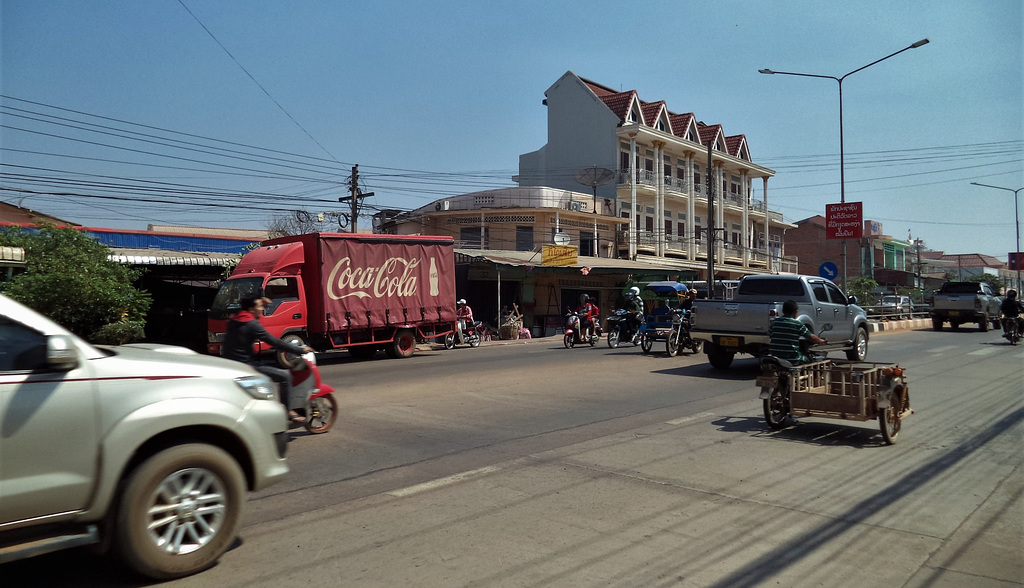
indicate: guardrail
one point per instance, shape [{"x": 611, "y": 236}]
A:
[{"x": 879, "y": 313}]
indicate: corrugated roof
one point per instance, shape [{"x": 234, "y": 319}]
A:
[
  {"x": 254, "y": 234},
  {"x": 165, "y": 257}
]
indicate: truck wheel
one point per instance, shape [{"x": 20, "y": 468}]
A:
[
  {"x": 983, "y": 324},
  {"x": 179, "y": 511},
  {"x": 719, "y": 358},
  {"x": 937, "y": 324},
  {"x": 404, "y": 344},
  {"x": 288, "y": 360},
  {"x": 954, "y": 325},
  {"x": 859, "y": 352}
]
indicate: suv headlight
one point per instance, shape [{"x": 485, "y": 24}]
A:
[{"x": 259, "y": 387}]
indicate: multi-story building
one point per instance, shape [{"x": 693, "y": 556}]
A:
[{"x": 663, "y": 164}]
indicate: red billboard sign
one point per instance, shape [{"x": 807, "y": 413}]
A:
[{"x": 844, "y": 221}]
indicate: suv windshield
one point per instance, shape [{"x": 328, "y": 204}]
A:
[
  {"x": 889, "y": 300},
  {"x": 231, "y": 292}
]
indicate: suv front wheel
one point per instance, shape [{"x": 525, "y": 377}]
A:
[{"x": 179, "y": 510}]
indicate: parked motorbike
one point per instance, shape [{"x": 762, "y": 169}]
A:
[
  {"x": 574, "y": 334},
  {"x": 1011, "y": 330},
  {"x": 471, "y": 334},
  {"x": 623, "y": 326},
  {"x": 309, "y": 396},
  {"x": 679, "y": 336}
]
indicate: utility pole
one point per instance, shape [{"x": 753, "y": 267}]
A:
[
  {"x": 711, "y": 225},
  {"x": 354, "y": 195}
]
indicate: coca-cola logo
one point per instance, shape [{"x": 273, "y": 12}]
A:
[{"x": 394, "y": 277}]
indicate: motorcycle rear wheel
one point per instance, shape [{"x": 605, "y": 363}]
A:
[
  {"x": 323, "y": 412},
  {"x": 613, "y": 337},
  {"x": 449, "y": 341},
  {"x": 776, "y": 413},
  {"x": 888, "y": 419},
  {"x": 474, "y": 340}
]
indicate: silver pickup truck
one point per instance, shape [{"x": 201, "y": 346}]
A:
[
  {"x": 965, "y": 302},
  {"x": 740, "y": 325}
]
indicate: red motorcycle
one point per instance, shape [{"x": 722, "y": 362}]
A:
[
  {"x": 310, "y": 396},
  {"x": 575, "y": 334}
]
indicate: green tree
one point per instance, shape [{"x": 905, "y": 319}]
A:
[
  {"x": 863, "y": 289},
  {"x": 70, "y": 278}
]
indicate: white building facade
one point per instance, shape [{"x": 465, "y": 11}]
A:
[{"x": 660, "y": 165}]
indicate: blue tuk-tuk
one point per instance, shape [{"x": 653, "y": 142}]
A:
[{"x": 659, "y": 297}]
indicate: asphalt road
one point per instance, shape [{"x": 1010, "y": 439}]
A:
[{"x": 535, "y": 465}]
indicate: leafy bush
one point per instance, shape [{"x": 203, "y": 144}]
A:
[
  {"x": 863, "y": 289},
  {"x": 69, "y": 277},
  {"x": 119, "y": 333}
]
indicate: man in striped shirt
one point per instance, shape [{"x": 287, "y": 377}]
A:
[{"x": 785, "y": 334}]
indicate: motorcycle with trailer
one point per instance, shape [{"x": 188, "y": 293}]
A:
[
  {"x": 845, "y": 390},
  {"x": 678, "y": 337},
  {"x": 465, "y": 334}
]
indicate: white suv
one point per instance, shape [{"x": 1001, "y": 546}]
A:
[{"x": 147, "y": 449}]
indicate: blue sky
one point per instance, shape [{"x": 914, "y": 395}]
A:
[{"x": 435, "y": 99}]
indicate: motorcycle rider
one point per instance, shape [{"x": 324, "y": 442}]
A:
[
  {"x": 635, "y": 305},
  {"x": 785, "y": 334},
  {"x": 587, "y": 312},
  {"x": 243, "y": 331},
  {"x": 1012, "y": 308},
  {"x": 464, "y": 315}
]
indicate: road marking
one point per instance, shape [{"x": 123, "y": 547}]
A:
[
  {"x": 680, "y": 421},
  {"x": 453, "y": 479},
  {"x": 944, "y": 349},
  {"x": 984, "y": 351}
]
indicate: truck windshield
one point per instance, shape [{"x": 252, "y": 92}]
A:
[{"x": 231, "y": 292}]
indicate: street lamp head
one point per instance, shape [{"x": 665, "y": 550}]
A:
[
  {"x": 919, "y": 43},
  {"x": 765, "y": 71}
]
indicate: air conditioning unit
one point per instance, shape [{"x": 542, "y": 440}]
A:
[{"x": 575, "y": 206}]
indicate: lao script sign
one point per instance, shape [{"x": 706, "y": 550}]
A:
[{"x": 844, "y": 221}]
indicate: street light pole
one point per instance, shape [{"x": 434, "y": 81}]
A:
[
  {"x": 842, "y": 154},
  {"x": 1016, "y": 223}
]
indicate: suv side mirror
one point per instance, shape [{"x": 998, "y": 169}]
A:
[
  {"x": 61, "y": 354},
  {"x": 851, "y": 300}
]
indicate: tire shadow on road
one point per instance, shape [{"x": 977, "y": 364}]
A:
[
  {"x": 741, "y": 370},
  {"x": 830, "y": 434}
]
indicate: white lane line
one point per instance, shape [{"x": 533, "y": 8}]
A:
[
  {"x": 943, "y": 349},
  {"x": 984, "y": 351},
  {"x": 453, "y": 479},
  {"x": 690, "y": 418}
]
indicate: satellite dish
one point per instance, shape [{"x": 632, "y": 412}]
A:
[
  {"x": 561, "y": 238},
  {"x": 595, "y": 176}
]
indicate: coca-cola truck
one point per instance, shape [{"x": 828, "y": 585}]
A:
[{"x": 357, "y": 291}]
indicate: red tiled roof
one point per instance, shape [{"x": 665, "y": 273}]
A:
[
  {"x": 734, "y": 143},
  {"x": 619, "y": 103},
  {"x": 708, "y": 133},
  {"x": 651, "y": 110},
  {"x": 681, "y": 123},
  {"x": 974, "y": 260}
]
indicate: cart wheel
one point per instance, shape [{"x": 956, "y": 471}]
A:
[
  {"x": 568, "y": 340},
  {"x": 449, "y": 341},
  {"x": 776, "y": 411},
  {"x": 888, "y": 420},
  {"x": 646, "y": 343}
]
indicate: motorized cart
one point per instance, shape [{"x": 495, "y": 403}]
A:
[
  {"x": 848, "y": 390},
  {"x": 660, "y": 298}
]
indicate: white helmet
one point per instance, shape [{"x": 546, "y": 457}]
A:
[
  {"x": 461, "y": 302},
  {"x": 634, "y": 291}
]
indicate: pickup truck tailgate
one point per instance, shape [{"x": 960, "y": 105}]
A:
[{"x": 720, "y": 316}]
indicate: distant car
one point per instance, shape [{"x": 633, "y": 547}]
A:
[
  {"x": 897, "y": 306},
  {"x": 148, "y": 449}
]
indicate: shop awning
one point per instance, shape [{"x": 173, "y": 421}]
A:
[
  {"x": 602, "y": 265},
  {"x": 162, "y": 257},
  {"x": 12, "y": 256}
]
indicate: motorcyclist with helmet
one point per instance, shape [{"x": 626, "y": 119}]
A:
[
  {"x": 635, "y": 305},
  {"x": 1011, "y": 307},
  {"x": 588, "y": 313}
]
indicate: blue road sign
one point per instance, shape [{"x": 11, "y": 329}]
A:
[{"x": 828, "y": 270}]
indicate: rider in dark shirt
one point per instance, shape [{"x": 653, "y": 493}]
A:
[
  {"x": 1012, "y": 308},
  {"x": 244, "y": 330}
]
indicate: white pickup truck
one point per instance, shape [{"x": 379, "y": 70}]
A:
[
  {"x": 965, "y": 302},
  {"x": 740, "y": 325}
]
